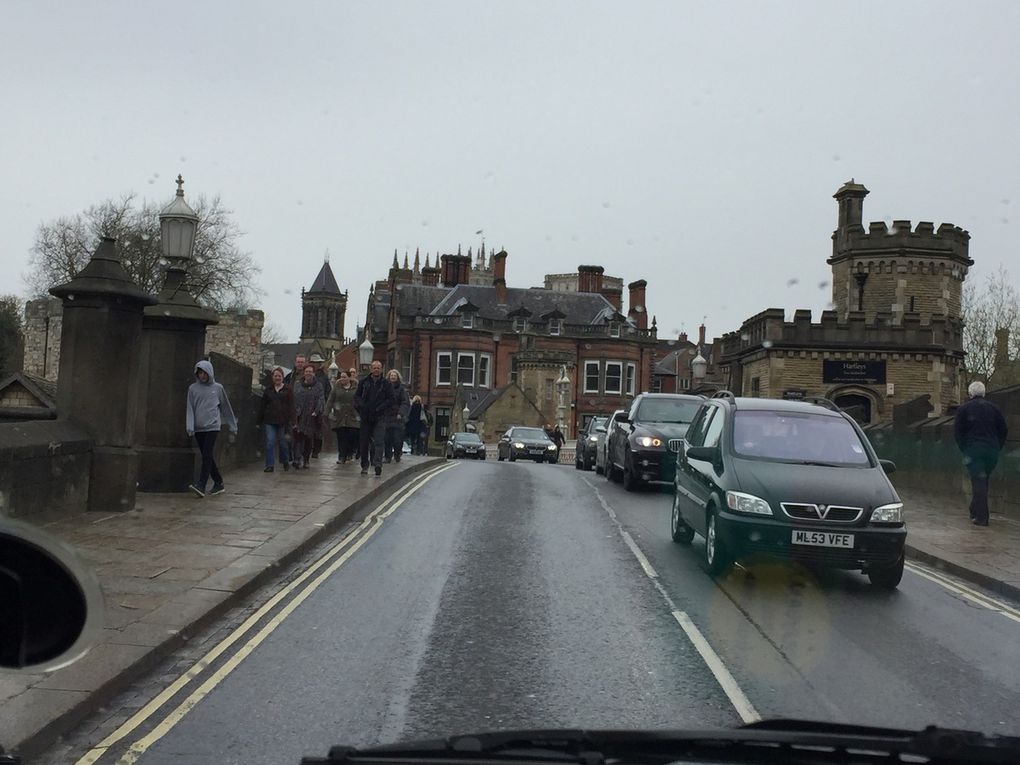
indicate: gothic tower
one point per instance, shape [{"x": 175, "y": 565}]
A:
[{"x": 323, "y": 308}]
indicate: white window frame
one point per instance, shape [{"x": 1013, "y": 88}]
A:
[
  {"x": 484, "y": 380},
  {"x": 685, "y": 383},
  {"x": 630, "y": 379},
  {"x": 614, "y": 329},
  {"x": 598, "y": 376},
  {"x": 439, "y": 367},
  {"x": 619, "y": 390},
  {"x": 407, "y": 370},
  {"x": 555, "y": 326},
  {"x": 463, "y": 355},
  {"x": 467, "y": 320},
  {"x": 520, "y": 324}
]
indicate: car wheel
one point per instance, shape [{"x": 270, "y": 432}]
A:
[
  {"x": 678, "y": 530},
  {"x": 887, "y": 577},
  {"x": 499, "y": 455},
  {"x": 578, "y": 465},
  {"x": 717, "y": 558},
  {"x": 630, "y": 481},
  {"x": 513, "y": 457},
  {"x": 613, "y": 473}
]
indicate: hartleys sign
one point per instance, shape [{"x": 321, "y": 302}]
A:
[{"x": 865, "y": 372}]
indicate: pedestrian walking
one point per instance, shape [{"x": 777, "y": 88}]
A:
[
  {"x": 208, "y": 410},
  {"x": 275, "y": 415},
  {"x": 373, "y": 398},
  {"x": 323, "y": 377},
  {"x": 980, "y": 431},
  {"x": 343, "y": 417},
  {"x": 426, "y": 426},
  {"x": 413, "y": 426},
  {"x": 396, "y": 418},
  {"x": 309, "y": 403},
  {"x": 295, "y": 374}
]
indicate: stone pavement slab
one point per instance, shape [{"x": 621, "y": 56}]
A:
[
  {"x": 174, "y": 564},
  {"x": 939, "y": 532}
]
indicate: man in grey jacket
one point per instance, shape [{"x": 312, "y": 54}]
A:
[{"x": 208, "y": 410}]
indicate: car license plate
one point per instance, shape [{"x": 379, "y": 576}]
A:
[
  {"x": 537, "y": 451},
  {"x": 823, "y": 539}
]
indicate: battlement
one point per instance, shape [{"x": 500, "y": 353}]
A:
[
  {"x": 902, "y": 239},
  {"x": 915, "y": 333}
]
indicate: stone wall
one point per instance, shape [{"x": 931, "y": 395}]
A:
[
  {"x": 238, "y": 335},
  {"x": 44, "y": 469},
  {"x": 247, "y": 446},
  {"x": 42, "y": 337}
]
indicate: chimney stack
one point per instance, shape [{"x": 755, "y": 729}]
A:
[
  {"x": 615, "y": 297},
  {"x": 683, "y": 337},
  {"x": 451, "y": 270},
  {"x": 499, "y": 276},
  {"x": 589, "y": 279},
  {"x": 701, "y": 335},
  {"x": 637, "y": 312},
  {"x": 1001, "y": 347}
]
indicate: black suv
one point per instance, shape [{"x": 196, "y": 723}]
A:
[
  {"x": 636, "y": 448},
  {"x": 789, "y": 478}
]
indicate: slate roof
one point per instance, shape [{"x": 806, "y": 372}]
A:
[
  {"x": 576, "y": 307},
  {"x": 325, "y": 281},
  {"x": 43, "y": 390},
  {"x": 666, "y": 366}
]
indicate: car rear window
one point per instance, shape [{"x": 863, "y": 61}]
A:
[{"x": 798, "y": 437}]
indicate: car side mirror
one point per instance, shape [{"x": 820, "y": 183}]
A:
[
  {"x": 703, "y": 453},
  {"x": 888, "y": 466},
  {"x": 621, "y": 418},
  {"x": 51, "y": 608}
]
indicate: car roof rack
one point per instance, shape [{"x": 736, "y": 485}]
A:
[
  {"x": 727, "y": 395},
  {"x": 822, "y": 401}
]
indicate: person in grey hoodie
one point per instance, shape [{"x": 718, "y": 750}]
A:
[{"x": 208, "y": 410}]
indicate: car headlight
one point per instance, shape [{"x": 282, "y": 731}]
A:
[
  {"x": 892, "y": 513},
  {"x": 747, "y": 503},
  {"x": 648, "y": 441},
  {"x": 551, "y": 447},
  {"x": 518, "y": 446},
  {"x": 593, "y": 439}
]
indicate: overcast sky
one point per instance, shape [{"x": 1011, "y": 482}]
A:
[{"x": 695, "y": 145}]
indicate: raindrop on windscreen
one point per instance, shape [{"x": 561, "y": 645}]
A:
[
  {"x": 70, "y": 297},
  {"x": 151, "y": 181},
  {"x": 791, "y": 282},
  {"x": 605, "y": 205},
  {"x": 424, "y": 223},
  {"x": 288, "y": 291},
  {"x": 1005, "y": 220},
  {"x": 835, "y": 158},
  {"x": 166, "y": 313},
  {"x": 155, "y": 175},
  {"x": 146, "y": 237},
  {"x": 745, "y": 337},
  {"x": 300, "y": 202},
  {"x": 630, "y": 242},
  {"x": 1004, "y": 201},
  {"x": 164, "y": 262},
  {"x": 822, "y": 285},
  {"x": 488, "y": 175},
  {"x": 548, "y": 238},
  {"x": 573, "y": 238},
  {"x": 830, "y": 306},
  {"x": 183, "y": 158},
  {"x": 766, "y": 343}
]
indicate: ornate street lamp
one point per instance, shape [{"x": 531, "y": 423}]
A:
[
  {"x": 365, "y": 353},
  {"x": 562, "y": 384},
  {"x": 177, "y": 226},
  {"x": 699, "y": 366}
]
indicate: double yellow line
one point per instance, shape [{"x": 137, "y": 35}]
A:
[{"x": 309, "y": 581}]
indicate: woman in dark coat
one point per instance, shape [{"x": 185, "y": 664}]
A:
[
  {"x": 274, "y": 416},
  {"x": 309, "y": 402},
  {"x": 343, "y": 417},
  {"x": 412, "y": 429}
]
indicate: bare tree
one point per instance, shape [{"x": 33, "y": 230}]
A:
[
  {"x": 12, "y": 333},
  {"x": 988, "y": 306},
  {"x": 220, "y": 276}
]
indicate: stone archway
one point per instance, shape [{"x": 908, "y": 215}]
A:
[{"x": 860, "y": 403}]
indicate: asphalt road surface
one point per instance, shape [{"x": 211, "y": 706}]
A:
[{"x": 503, "y": 595}]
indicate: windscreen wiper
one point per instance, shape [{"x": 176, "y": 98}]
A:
[{"x": 774, "y": 741}]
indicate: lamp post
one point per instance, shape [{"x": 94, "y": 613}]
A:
[
  {"x": 365, "y": 353},
  {"x": 699, "y": 366},
  {"x": 562, "y": 383},
  {"x": 465, "y": 413}
]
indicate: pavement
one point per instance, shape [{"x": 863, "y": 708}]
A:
[
  {"x": 177, "y": 563},
  {"x": 174, "y": 564}
]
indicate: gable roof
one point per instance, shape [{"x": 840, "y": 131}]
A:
[
  {"x": 42, "y": 390},
  {"x": 325, "y": 281}
]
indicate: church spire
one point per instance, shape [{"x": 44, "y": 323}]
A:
[
  {"x": 406, "y": 266},
  {"x": 417, "y": 261},
  {"x": 395, "y": 264}
]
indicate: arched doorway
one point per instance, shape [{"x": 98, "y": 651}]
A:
[{"x": 857, "y": 405}]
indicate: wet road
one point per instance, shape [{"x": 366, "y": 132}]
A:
[{"x": 506, "y": 595}]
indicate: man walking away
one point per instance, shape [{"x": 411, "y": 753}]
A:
[
  {"x": 396, "y": 416},
  {"x": 374, "y": 396},
  {"x": 980, "y": 431},
  {"x": 208, "y": 409}
]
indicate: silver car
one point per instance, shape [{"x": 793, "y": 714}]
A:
[{"x": 600, "y": 447}]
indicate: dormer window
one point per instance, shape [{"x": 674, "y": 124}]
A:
[
  {"x": 555, "y": 326},
  {"x": 520, "y": 324},
  {"x": 467, "y": 320},
  {"x": 614, "y": 329}
]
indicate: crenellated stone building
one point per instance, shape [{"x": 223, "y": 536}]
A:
[{"x": 894, "y": 332}]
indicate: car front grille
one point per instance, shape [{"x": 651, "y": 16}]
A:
[
  {"x": 803, "y": 511},
  {"x": 673, "y": 445}
]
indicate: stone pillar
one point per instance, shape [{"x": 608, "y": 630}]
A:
[
  {"x": 173, "y": 340},
  {"x": 100, "y": 371}
]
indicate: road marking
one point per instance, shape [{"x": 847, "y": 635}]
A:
[
  {"x": 978, "y": 598},
  {"x": 726, "y": 681},
  {"x": 392, "y": 502}
]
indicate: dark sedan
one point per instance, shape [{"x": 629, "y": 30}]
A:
[
  {"x": 636, "y": 450},
  {"x": 588, "y": 442},
  {"x": 789, "y": 479},
  {"x": 526, "y": 444},
  {"x": 465, "y": 445}
]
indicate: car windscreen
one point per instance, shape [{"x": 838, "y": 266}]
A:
[
  {"x": 667, "y": 410},
  {"x": 798, "y": 437},
  {"x": 530, "y": 433},
  {"x": 467, "y": 438}
]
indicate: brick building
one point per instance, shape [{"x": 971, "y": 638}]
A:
[
  {"x": 454, "y": 328},
  {"x": 894, "y": 332}
]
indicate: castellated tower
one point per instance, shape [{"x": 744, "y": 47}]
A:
[{"x": 897, "y": 272}]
